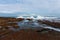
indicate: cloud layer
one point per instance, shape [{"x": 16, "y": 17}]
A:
[{"x": 42, "y": 7}]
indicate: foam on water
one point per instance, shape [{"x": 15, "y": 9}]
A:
[{"x": 33, "y": 17}]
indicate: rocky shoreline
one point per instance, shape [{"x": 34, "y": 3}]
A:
[{"x": 9, "y": 25}]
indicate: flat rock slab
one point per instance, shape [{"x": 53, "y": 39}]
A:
[{"x": 32, "y": 35}]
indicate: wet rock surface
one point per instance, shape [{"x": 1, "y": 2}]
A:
[{"x": 32, "y": 35}]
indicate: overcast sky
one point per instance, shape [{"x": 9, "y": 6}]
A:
[{"x": 42, "y": 7}]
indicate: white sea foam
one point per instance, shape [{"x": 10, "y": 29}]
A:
[
  {"x": 33, "y": 17},
  {"x": 36, "y": 17}
]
